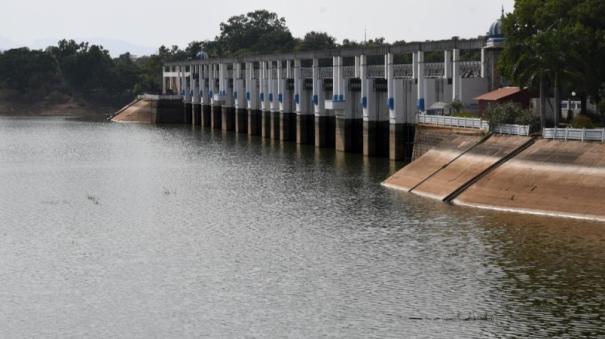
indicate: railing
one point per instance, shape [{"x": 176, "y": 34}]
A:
[
  {"x": 522, "y": 130},
  {"x": 306, "y": 72},
  {"x": 403, "y": 71},
  {"x": 441, "y": 120},
  {"x": 434, "y": 70},
  {"x": 159, "y": 97},
  {"x": 574, "y": 134},
  {"x": 376, "y": 71},
  {"x": 326, "y": 72},
  {"x": 470, "y": 69},
  {"x": 348, "y": 72}
]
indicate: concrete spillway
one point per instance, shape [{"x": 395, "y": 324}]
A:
[
  {"x": 432, "y": 161},
  {"x": 137, "y": 111},
  {"x": 469, "y": 166},
  {"x": 560, "y": 178}
]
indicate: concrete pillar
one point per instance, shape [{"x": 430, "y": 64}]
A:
[
  {"x": 287, "y": 118},
  {"x": 324, "y": 123},
  {"x": 226, "y": 97},
  {"x": 252, "y": 98},
  {"x": 456, "y": 80},
  {"x": 239, "y": 98},
  {"x": 196, "y": 99},
  {"x": 206, "y": 96},
  {"x": 421, "y": 82},
  {"x": 187, "y": 82},
  {"x": 447, "y": 64},
  {"x": 348, "y": 127},
  {"x": 483, "y": 64},
  {"x": 274, "y": 79},
  {"x": 264, "y": 98},
  {"x": 305, "y": 125},
  {"x": 375, "y": 139},
  {"x": 401, "y": 114},
  {"x": 217, "y": 108}
]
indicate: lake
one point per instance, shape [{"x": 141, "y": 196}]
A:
[{"x": 140, "y": 231}]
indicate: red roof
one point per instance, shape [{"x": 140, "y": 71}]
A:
[{"x": 499, "y": 94}]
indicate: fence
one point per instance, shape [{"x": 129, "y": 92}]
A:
[
  {"x": 522, "y": 130},
  {"x": 574, "y": 134},
  {"x": 441, "y": 120}
]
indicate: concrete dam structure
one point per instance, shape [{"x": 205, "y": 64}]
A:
[
  {"x": 353, "y": 100},
  {"x": 511, "y": 173}
]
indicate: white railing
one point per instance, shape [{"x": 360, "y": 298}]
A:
[
  {"x": 441, "y": 120},
  {"x": 376, "y": 71},
  {"x": 470, "y": 69},
  {"x": 348, "y": 72},
  {"x": 574, "y": 134},
  {"x": 522, "y": 130},
  {"x": 434, "y": 70},
  {"x": 159, "y": 97},
  {"x": 326, "y": 72},
  {"x": 403, "y": 71},
  {"x": 306, "y": 72}
]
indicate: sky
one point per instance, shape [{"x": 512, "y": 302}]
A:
[{"x": 142, "y": 26}]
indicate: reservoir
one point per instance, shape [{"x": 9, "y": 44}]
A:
[{"x": 142, "y": 231}]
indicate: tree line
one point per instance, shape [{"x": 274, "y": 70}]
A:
[
  {"x": 555, "y": 48},
  {"x": 89, "y": 72}
]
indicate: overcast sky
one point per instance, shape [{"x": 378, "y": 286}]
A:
[{"x": 151, "y": 23}]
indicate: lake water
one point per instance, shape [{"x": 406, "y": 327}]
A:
[{"x": 134, "y": 231}]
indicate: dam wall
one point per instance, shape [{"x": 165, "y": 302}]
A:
[
  {"x": 551, "y": 177},
  {"x": 438, "y": 152},
  {"x": 152, "y": 110},
  {"x": 508, "y": 173}
]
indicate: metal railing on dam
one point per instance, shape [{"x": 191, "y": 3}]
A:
[
  {"x": 574, "y": 134},
  {"x": 446, "y": 121}
]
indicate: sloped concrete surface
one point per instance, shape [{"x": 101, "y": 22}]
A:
[
  {"x": 558, "y": 178},
  {"x": 432, "y": 161},
  {"x": 469, "y": 166},
  {"x": 139, "y": 111}
]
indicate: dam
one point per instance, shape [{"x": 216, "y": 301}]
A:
[
  {"x": 379, "y": 102},
  {"x": 354, "y": 100}
]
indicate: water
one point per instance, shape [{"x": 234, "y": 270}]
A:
[{"x": 131, "y": 231}]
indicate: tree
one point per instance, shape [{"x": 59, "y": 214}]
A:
[
  {"x": 260, "y": 31},
  {"x": 25, "y": 70},
  {"x": 316, "y": 41},
  {"x": 546, "y": 44}
]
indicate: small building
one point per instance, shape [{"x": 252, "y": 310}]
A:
[{"x": 504, "y": 94}]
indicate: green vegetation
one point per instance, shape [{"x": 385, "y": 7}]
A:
[
  {"x": 582, "y": 121},
  {"x": 556, "y": 47},
  {"x": 464, "y": 115},
  {"x": 88, "y": 73},
  {"x": 509, "y": 113},
  {"x": 455, "y": 107}
]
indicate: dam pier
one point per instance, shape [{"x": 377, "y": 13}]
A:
[
  {"x": 390, "y": 102},
  {"x": 353, "y": 100}
]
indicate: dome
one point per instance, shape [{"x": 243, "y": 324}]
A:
[
  {"x": 201, "y": 55},
  {"x": 495, "y": 36},
  {"x": 495, "y": 30}
]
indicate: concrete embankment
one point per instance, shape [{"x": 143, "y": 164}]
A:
[
  {"x": 434, "y": 149},
  {"x": 137, "y": 111},
  {"x": 152, "y": 110},
  {"x": 468, "y": 167},
  {"x": 511, "y": 173},
  {"x": 558, "y": 178}
]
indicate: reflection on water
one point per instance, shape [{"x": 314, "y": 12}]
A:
[{"x": 112, "y": 230}]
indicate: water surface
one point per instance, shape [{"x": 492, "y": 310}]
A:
[{"x": 135, "y": 231}]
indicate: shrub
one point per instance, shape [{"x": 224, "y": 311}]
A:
[
  {"x": 582, "y": 121},
  {"x": 455, "y": 106},
  {"x": 509, "y": 113}
]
